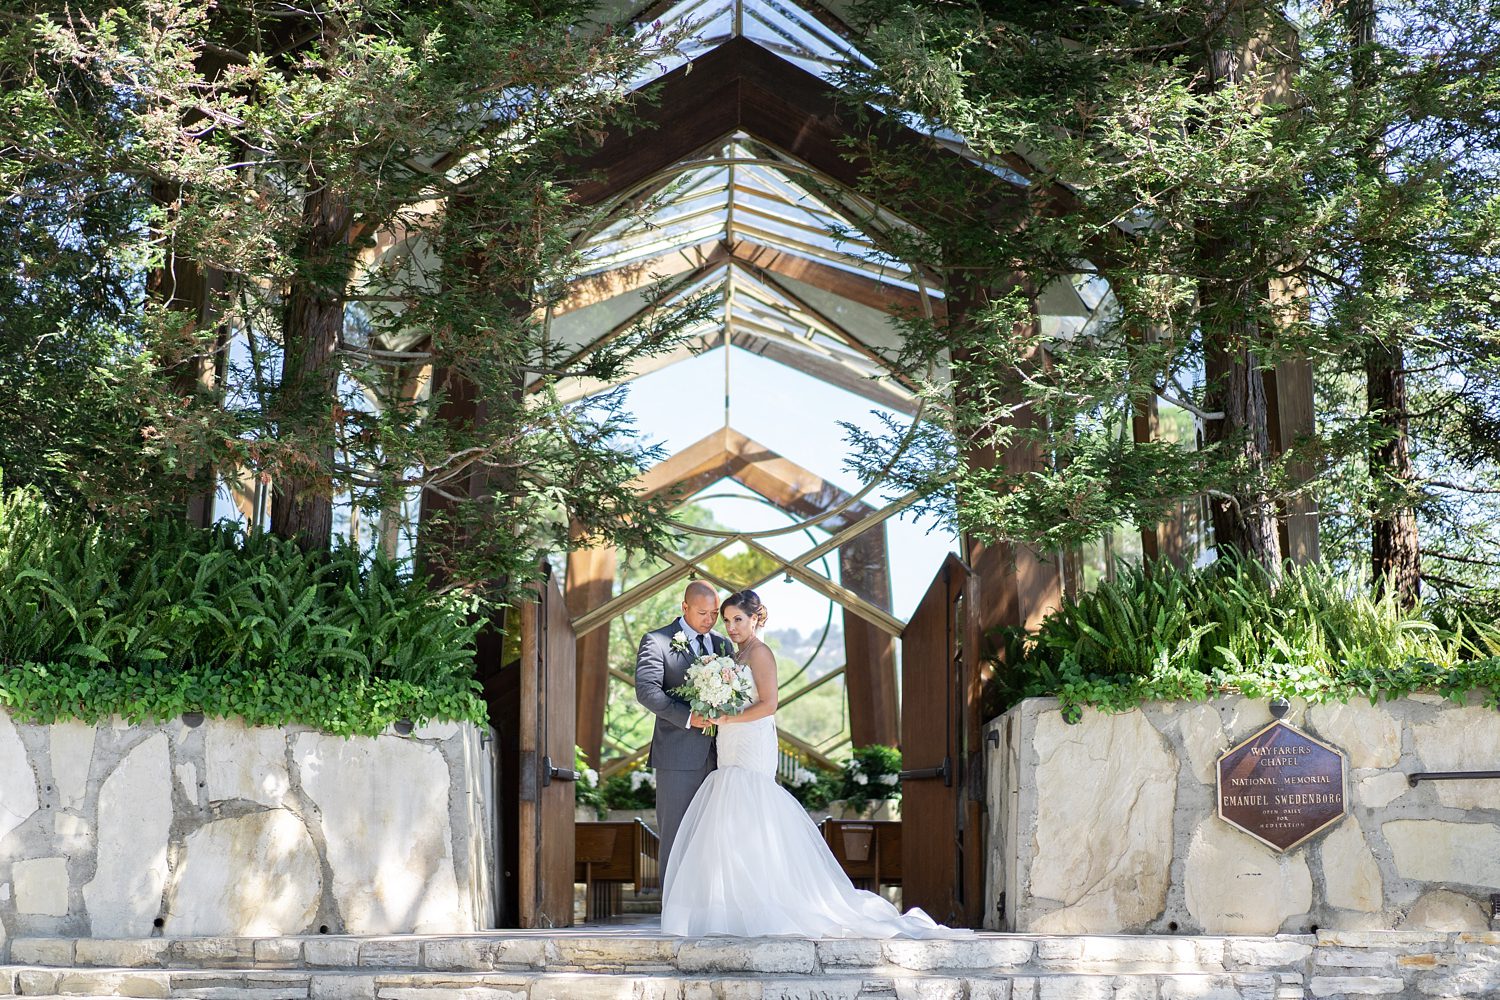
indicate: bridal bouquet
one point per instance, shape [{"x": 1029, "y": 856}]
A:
[{"x": 716, "y": 686}]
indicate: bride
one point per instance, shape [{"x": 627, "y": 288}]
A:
[{"x": 748, "y": 861}]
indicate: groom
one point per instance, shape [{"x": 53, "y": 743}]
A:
[{"x": 681, "y": 752}]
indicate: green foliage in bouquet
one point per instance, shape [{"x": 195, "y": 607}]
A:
[
  {"x": 871, "y": 773},
  {"x": 150, "y": 621},
  {"x": 1163, "y": 633}
]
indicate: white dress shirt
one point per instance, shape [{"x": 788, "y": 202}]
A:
[{"x": 687, "y": 630}]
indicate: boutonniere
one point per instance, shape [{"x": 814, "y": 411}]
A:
[{"x": 679, "y": 642}]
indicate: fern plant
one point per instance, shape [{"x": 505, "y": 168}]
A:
[
  {"x": 1165, "y": 633},
  {"x": 163, "y": 618}
]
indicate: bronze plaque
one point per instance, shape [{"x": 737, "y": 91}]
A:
[{"x": 1281, "y": 786}]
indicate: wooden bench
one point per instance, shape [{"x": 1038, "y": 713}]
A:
[
  {"x": 609, "y": 854},
  {"x": 869, "y": 851}
]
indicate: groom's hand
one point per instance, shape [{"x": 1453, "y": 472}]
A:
[{"x": 699, "y": 722}]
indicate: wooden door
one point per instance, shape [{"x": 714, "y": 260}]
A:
[
  {"x": 942, "y": 784},
  {"x": 545, "y": 759}
]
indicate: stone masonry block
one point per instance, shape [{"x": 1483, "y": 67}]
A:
[
  {"x": 277, "y": 951},
  {"x": 457, "y": 954},
  {"x": 129, "y": 953},
  {"x": 42, "y": 951},
  {"x": 763, "y": 955},
  {"x": 124, "y": 984},
  {"x": 1267, "y": 953},
  {"x": 342, "y": 987},
  {"x": 395, "y": 953},
  {"x": 1361, "y": 986}
]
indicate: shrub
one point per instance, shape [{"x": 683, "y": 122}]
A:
[
  {"x": 871, "y": 773},
  {"x": 1161, "y": 633},
  {"x": 812, "y": 787},
  {"x": 586, "y": 791},
  {"x": 152, "y": 621},
  {"x": 633, "y": 788}
]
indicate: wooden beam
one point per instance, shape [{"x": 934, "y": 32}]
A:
[
  {"x": 742, "y": 87},
  {"x": 571, "y": 390},
  {"x": 709, "y": 454},
  {"x": 842, "y": 596},
  {"x": 1015, "y": 583},
  {"x": 728, "y": 454},
  {"x": 680, "y": 283},
  {"x": 642, "y": 591},
  {"x": 825, "y": 369},
  {"x": 788, "y": 485},
  {"x": 869, "y": 652},
  {"x": 863, "y": 289},
  {"x": 855, "y": 528},
  {"x": 632, "y": 277},
  {"x": 591, "y": 584}
]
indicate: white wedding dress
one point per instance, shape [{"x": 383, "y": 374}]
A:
[{"x": 749, "y": 862}]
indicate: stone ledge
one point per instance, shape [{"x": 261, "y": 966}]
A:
[
  {"x": 586, "y": 965},
  {"x": 345, "y": 985}
]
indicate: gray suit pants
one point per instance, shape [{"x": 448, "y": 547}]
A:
[{"x": 675, "y": 789}]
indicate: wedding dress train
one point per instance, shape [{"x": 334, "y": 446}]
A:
[{"x": 749, "y": 862}]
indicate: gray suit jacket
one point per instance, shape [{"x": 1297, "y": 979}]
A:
[{"x": 658, "y": 669}]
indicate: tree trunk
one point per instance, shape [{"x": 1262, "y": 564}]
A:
[
  {"x": 1395, "y": 549},
  {"x": 1246, "y": 519},
  {"x": 313, "y": 323},
  {"x": 182, "y": 285}
]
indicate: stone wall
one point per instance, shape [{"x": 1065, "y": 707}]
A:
[
  {"x": 118, "y": 830},
  {"x": 1110, "y": 825}
]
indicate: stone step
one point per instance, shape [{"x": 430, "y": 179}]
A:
[
  {"x": 639, "y": 963},
  {"x": 312, "y": 984},
  {"x": 646, "y": 950}
]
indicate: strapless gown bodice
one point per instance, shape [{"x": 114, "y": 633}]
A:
[{"x": 749, "y": 745}]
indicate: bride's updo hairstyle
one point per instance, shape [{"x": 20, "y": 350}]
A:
[{"x": 747, "y": 601}]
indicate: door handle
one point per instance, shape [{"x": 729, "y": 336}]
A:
[
  {"x": 944, "y": 771},
  {"x": 551, "y": 773}
]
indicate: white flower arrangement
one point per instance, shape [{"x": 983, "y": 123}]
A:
[
  {"x": 590, "y": 777},
  {"x": 715, "y": 687},
  {"x": 802, "y": 777},
  {"x": 872, "y": 773},
  {"x": 639, "y": 778}
]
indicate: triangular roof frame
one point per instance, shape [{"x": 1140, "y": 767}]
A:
[
  {"x": 728, "y": 454},
  {"x": 742, "y": 87}
]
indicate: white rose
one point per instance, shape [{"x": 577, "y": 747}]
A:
[
  {"x": 681, "y": 637},
  {"x": 860, "y": 779}
]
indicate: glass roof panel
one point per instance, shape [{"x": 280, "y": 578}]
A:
[{"x": 785, "y": 28}]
